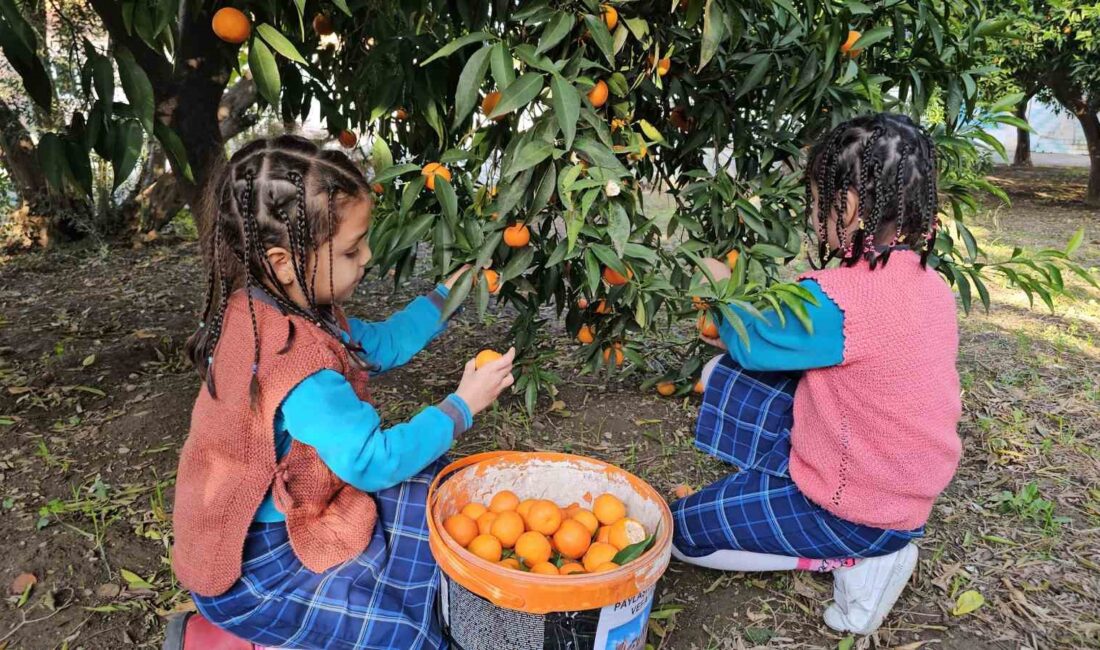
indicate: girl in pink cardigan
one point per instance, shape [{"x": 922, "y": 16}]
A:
[{"x": 844, "y": 433}]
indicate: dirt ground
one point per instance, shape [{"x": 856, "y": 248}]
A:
[{"x": 95, "y": 400}]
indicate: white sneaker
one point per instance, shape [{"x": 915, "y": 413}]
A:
[{"x": 865, "y": 594}]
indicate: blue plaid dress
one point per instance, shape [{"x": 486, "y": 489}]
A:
[
  {"x": 746, "y": 420},
  {"x": 383, "y": 598}
]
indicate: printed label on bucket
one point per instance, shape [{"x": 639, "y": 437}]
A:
[{"x": 473, "y": 623}]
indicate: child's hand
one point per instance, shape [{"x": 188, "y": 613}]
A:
[
  {"x": 480, "y": 386},
  {"x": 716, "y": 342},
  {"x": 717, "y": 268},
  {"x": 450, "y": 282}
]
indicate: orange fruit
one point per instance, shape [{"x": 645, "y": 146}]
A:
[
  {"x": 603, "y": 534},
  {"x": 322, "y": 25},
  {"x": 544, "y": 517},
  {"x": 584, "y": 335},
  {"x": 582, "y": 303},
  {"x": 348, "y": 139},
  {"x": 846, "y": 47},
  {"x": 482, "y": 358},
  {"x": 598, "y": 94},
  {"x": 663, "y": 66},
  {"x": 731, "y": 258},
  {"x": 599, "y": 554},
  {"x": 643, "y": 151},
  {"x": 505, "y": 499},
  {"x": 610, "y": 17},
  {"x": 683, "y": 491},
  {"x": 485, "y": 547},
  {"x": 511, "y": 563},
  {"x": 602, "y": 308},
  {"x": 572, "y": 539},
  {"x": 492, "y": 280},
  {"x": 400, "y": 114},
  {"x": 231, "y": 25},
  {"x": 608, "y": 509},
  {"x": 461, "y": 528},
  {"x": 545, "y": 568},
  {"x": 507, "y": 528},
  {"x": 524, "y": 507},
  {"x": 618, "y": 347},
  {"x": 489, "y": 103},
  {"x": 588, "y": 520},
  {"x": 571, "y": 568},
  {"x": 474, "y": 510},
  {"x": 699, "y": 387},
  {"x": 485, "y": 522},
  {"x": 707, "y": 327},
  {"x": 616, "y": 279},
  {"x": 666, "y": 388},
  {"x": 377, "y": 188},
  {"x": 625, "y": 532},
  {"x": 533, "y": 548},
  {"x": 606, "y": 566},
  {"x": 433, "y": 169},
  {"x": 517, "y": 235},
  {"x": 698, "y": 303}
]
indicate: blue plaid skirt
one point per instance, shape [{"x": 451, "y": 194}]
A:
[
  {"x": 746, "y": 421},
  {"x": 383, "y": 598}
]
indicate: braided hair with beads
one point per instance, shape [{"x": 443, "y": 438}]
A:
[
  {"x": 274, "y": 192},
  {"x": 890, "y": 163}
]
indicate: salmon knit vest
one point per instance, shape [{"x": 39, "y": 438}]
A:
[
  {"x": 874, "y": 439},
  {"x": 227, "y": 463}
]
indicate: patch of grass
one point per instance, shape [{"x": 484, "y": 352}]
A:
[{"x": 1027, "y": 504}]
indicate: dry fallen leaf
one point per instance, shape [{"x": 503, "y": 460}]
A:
[
  {"x": 968, "y": 601},
  {"x": 21, "y": 582}
]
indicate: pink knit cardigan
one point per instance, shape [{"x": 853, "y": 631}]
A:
[{"x": 874, "y": 439}]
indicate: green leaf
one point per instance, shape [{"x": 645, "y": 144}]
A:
[
  {"x": 500, "y": 61},
  {"x": 651, "y": 131},
  {"x": 473, "y": 74},
  {"x": 175, "y": 150},
  {"x": 20, "y": 46},
  {"x": 343, "y": 6},
  {"x": 448, "y": 200},
  {"x": 557, "y": 29},
  {"x": 967, "y": 602},
  {"x": 1075, "y": 241},
  {"x": 618, "y": 227},
  {"x": 264, "y": 71},
  {"x": 770, "y": 250},
  {"x": 634, "y": 551},
  {"x": 136, "y": 85},
  {"x": 281, "y": 43},
  {"x": 518, "y": 264},
  {"x": 600, "y": 155},
  {"x": 530, "y": 154},
  {"x": 393, "y": 172},
  {"x": 872, "y": 36},
  {"x": 457, "y": 44},
  {"x": 381, "y": 158},
  {"x": 134, "y": 581},
  {"x": 714, "y": 31},
  {"x": 126, "y": 144},
  {"x": 567, "y": 107},
  {"x": 104, "y": 75},
  {"x": 545, "y": 189},
  {"x": 51, "y": 157},
  {"x": 518, "y": 94},
  {"x": 601, "y": 37},
  {"x": 755, "y": 76},
  {"x": 458, "y": 293}
]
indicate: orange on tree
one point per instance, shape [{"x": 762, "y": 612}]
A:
[
  {"x": 322, "y": 24},
  {"x": 570, "y": 568},
  {"x": 489, "y": 103},
  {"x": 663, "y": 66},
  {"x": 517, "y": 235},
  {"x": 585, "y": 335},
  {"x": 486, "y": 547},
  {"x": 505, "y": 499},
  {"x": 666, "y": 388},
  {"x": 602, "y": 308},
  {"x": 482, "y": 358},
  {"x": 485, "y": 522},
  {"x": 348, "y": 139},
  {"x": 400, "y": 114},
  {"x": 599, "y": 554},
  {"x": 588, "y": 520},
  {"x": 731, "y": 258},
  {"x": 616, "y": 279},
  {"x": 610, "y": 17},
  {"x": 606, "y": 566},
  {"x": 507, "y": 528},
  {"x": 510, "y": 562},
  {"x": 474, "y": 510},
  {"x": 231, "y": 25},
  {"x": 699, "y": 387},
  {"x": 846, "y": 47},
  {"x": 461, "y": 528},
  {"x": 618, "y": 349},
  {"x": 433, "y": 169},
  {"x": 582, "y": 303},
  {"x": 545, "y": 568},
  {"x": 377, "y": 188},
  {"x": 532, "y": 548},
  {"x": 572, "y": 539},
  {"x": 698, "y": 303},
  {"x": 642, "y": 152},
  {"x": 625, "y": 532},
  {"x": 707, "y": 327},
  {"x": 598, "y": 94},
  {"x": 492, "y": 280},
  {"x": 544, "y": 517},
  {"x": 608, "y": 508}
]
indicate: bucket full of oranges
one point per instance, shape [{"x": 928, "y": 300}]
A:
[{"x": 546, "y": 550}]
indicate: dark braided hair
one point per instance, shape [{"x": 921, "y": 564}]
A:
[
  {"x": 274, "y": 192},
  {"x": 890, "y": 163}
]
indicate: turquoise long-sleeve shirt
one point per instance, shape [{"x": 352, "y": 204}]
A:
[
  {"x": 323, "y": 411},
  {"x": 789, "y": 346}
]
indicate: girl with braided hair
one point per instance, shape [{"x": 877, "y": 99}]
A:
[
  {"x": 300, "y": 521},
  {"x": 845, "y": 432}
]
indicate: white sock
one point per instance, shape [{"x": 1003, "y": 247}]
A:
[{"x": 729, "y": 560}]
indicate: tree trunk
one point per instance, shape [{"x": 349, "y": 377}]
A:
[
  {"x": 1023, "y": 137},
  {"x": 1075, "y": 101}
]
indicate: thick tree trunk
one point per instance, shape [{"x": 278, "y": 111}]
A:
[
  {"x": 1023, "y": 137},
  {"x": 1075, "y": 101}
]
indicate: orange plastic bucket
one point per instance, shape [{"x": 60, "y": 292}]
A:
[{"x": 623, "y": 594}]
